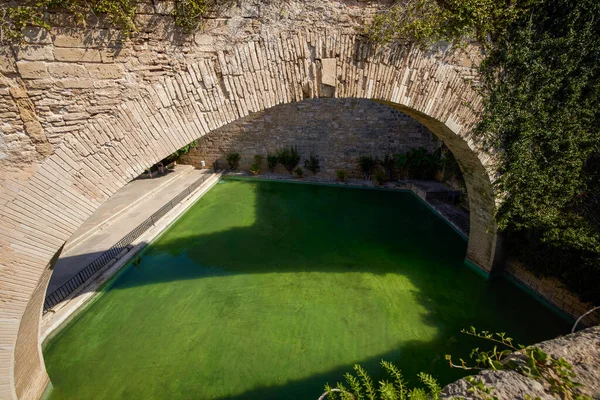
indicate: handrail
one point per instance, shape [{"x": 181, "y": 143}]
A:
[{"x": 63, "y": 291}]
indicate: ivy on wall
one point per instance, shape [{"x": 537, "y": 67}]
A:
[
  {"x": 15, "y": 15},
  {"x": 541, "y": 86}
]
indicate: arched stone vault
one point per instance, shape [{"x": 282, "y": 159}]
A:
[{"x": 62, "y": 179}]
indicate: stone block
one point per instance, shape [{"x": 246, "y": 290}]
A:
[
  {"x": 36, "y": 35},
  {"x": 34, "y": 53},
  {"x": 32, "y": 69},
  {"x": 104, "y": 71},
  {"x": 67, "y": 70},
  {"x": 164, "y": 7},
  {"x": 77, "y": 55},
  {"x": 75, "y": 83},
  {"x": 7, "y": 61},
  {"x": 328, "y": 72}
]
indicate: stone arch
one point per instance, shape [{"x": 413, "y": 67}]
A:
[{"x": 45, "y": 203}]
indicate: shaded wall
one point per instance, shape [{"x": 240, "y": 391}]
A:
[{"x": 337, "y": 131}]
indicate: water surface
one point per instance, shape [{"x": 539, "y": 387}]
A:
[{"x": 268, "y": 290}]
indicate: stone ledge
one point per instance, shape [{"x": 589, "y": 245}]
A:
[{"x": 581, "y": 349}]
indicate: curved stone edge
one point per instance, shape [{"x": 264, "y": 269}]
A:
[{"x": 580, "y": 349}]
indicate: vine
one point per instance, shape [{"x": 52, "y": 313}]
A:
[{"x": 16, "y": 15}]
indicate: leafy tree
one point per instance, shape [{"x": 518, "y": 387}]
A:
[
  {"x": 541, "y": 90},
  {"x": 542, "y": 108}
]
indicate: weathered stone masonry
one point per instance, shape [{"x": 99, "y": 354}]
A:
[
  {"x": 337, "y": 131},
  {"x": 83, "y": 111}
]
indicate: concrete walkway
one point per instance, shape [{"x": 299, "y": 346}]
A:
[{"x": 125, "y": 210}]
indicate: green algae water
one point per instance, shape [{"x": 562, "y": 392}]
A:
[{"x": 268, "y": 290}]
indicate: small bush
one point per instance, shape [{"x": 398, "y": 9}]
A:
[
  {"x": 341, "y": 175},
  {"x": 233, "y": 159},
  {"x": 271, "y": 162},
  {"x": 288, "y": 157},
  {"x": 299, "y": 173},
  {"x": 388, "y": 163},
  {"x": 312, "y": 164},
  {"x": 380, "y": 176},
  {"x": 255, "y": 167},
  {"x": 367, "y": 164}
]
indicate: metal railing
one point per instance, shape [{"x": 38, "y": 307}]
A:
[{"x": 92, "y": 268}]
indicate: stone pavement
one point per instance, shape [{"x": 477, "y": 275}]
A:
[{"x": 134, "y": 203}]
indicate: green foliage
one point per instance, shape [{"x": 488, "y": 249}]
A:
[
  {"x": 393, "y": 387},
  {"x": 15, "y": 15},
  {"x": 189, "y": 14},
  {"x": 380, "y": 176},
  {"x": 557, "y": 374},
  {"x": 271, "y": 162},
  {"x": 288, "y": 157},
  {"x": 542, "y": 108},
  {"x": 299, "y": 173},
  {"x": 418, "y": 163},
  {"x": 312, "y": 164},
  {"x": 429, "y": 21},
  {"x": 233, "y": 159},
  {"x": 341, "y": 175},
  {"x": 388, "y": 163},
  {"x": 367, "y": 165},
  {"x": 178, "y": 153},
  {"x": 255, "y": 167},
  {"x": 530, "y": 361}
]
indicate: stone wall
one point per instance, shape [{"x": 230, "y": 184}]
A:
[
  {"x": 555, "y": 293},
  {"x": 338, "y": 131},
  {"x": 581, "y": 350}
]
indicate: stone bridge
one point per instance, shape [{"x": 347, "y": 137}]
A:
[{"x": 84, "y": 111}]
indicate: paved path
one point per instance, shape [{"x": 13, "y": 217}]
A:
[{"x": 76, "y": 257}]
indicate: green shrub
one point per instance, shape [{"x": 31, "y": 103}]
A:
[
  {"x": 312, "y": 164},
  {"x": 271, "y": 162},
  {"x": 299, "y": 173},
  {"x": 255, "y": 167},
  {"x": 418, "y": 163},
  {"x": 380, "y": 177},
  {"x": 288, "y": 157},
  {"x": 341, "y": 175},
  {"x": 394, "y": 387},
  {"x": 367, "y": 165},
  {"x": 233, "y": 159},
  {"x": 388, "y": 164}
]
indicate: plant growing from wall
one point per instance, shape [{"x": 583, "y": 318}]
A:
[
  {"x": 299, "y": 173},
  {"x": 233, "y": 159},
  {"x": 341, "y": 175},
  {"x": 255, "y": 167},
  {"x": 531, "y": 361},
  {"x": 367, "y": 165},
  {"x": 271, "y": 162},
  {"x": 178, "y": 153},
  {"x": 190, "y": 14},
  {"x": 554, "y": 373},
  {"x": 288, "y": 157},
  {"x": 312, "y": 164}
]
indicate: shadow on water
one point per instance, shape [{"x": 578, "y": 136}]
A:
[{"x": 307, "y": 240}]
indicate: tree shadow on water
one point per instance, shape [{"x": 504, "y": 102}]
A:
[{"x": 353, "y": 255}]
